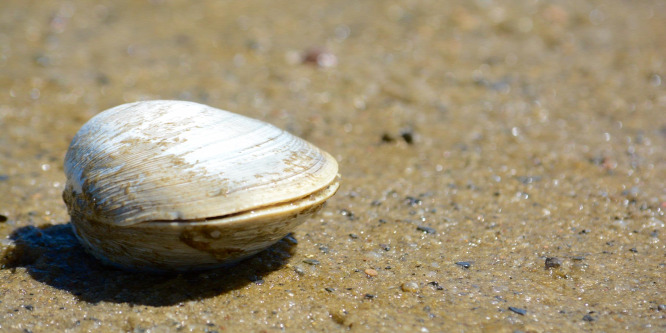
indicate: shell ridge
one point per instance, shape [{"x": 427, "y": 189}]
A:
[{"x": 132, "y": 189}]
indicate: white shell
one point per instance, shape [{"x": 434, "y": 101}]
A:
[{"x": 181, "y": 185}]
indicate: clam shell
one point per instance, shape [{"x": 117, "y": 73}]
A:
[{"x": 181, "y": 185}]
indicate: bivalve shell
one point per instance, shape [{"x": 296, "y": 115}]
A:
[{"x": 174, "y": 185}]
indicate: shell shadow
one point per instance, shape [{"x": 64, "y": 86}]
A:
[{"x": 52, "y": 255}]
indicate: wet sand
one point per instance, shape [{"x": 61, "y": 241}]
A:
[{"x": 503, "y": 164}]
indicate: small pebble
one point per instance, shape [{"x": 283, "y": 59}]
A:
[
  {"x": 369, "y": 296},
  {"x": 436, "y": 285},
  {"x": 385, "y": 247},
  {"x": 299, "y": 270},
  {"x": 427, "y": 230},
  {"x": 633, "y": 249},
  {"x": 353, "y": 236},
  {"x": 412, "y": 201},
  {"x": 529, "y": 179},
  {"x": 519, "y": 311},
  {"x": 347, "y": 213},
  {"x": 387, "y": 138},
  {"x": 589, "y": 318},
  {"x": 3, "y": 218},
  {"x": 553, "y": 262},
  {"x": 290, "y": 239},
  {"x": 312, "y": 262},
  {"x": 407, "y": 134},
  {"x": 661, "y": 307},
  {"x": 410, "y": 286},
  {"x": 464, "y": 264},
  {"x": 329, "y": 289},
  {"x": 320, "y": 57},
  {"x": 371, "y": 272}
]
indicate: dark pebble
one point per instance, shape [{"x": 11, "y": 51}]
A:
[
  {"x": 347, "y": 213},
  {"x": 519, "y": 311},
  {"x": 661, "y": 307},
  {"x": 436, "y": 285},
  {"x": 312, "y": 262},
  {"x": 353, "y": 236},
  {"x": 369, "y": 296},
  {"x": 385, "y": 247},
  {"x": 407, "y": 135},
  {"x": 553, "y": 262},
  {"x": 382, "y": 221},
  {"x": 464, "y": 264},
  {"x": 584, "y": 232},
  {"x": 329, "y": 289},
  {"x": 633, "y": 249},
  {"x": 324, "y": 249},
  {"x": 587, "y": 317},
  {"x": 412, "y": 201},
  {"x": 425, "y": 229},
  {"x": 3, "y": 218},
  {"x": 290, "y": 239},
  {"x": 29, "y": 307},
  {"x": 387, "y": 138}
]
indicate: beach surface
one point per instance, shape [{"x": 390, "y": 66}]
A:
[{"x": 503, "y": 164}]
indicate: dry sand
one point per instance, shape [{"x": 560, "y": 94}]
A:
[{"x": 476, "y": 139}]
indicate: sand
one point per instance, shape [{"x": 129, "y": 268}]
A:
[{"x": 503, "y": 163}]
